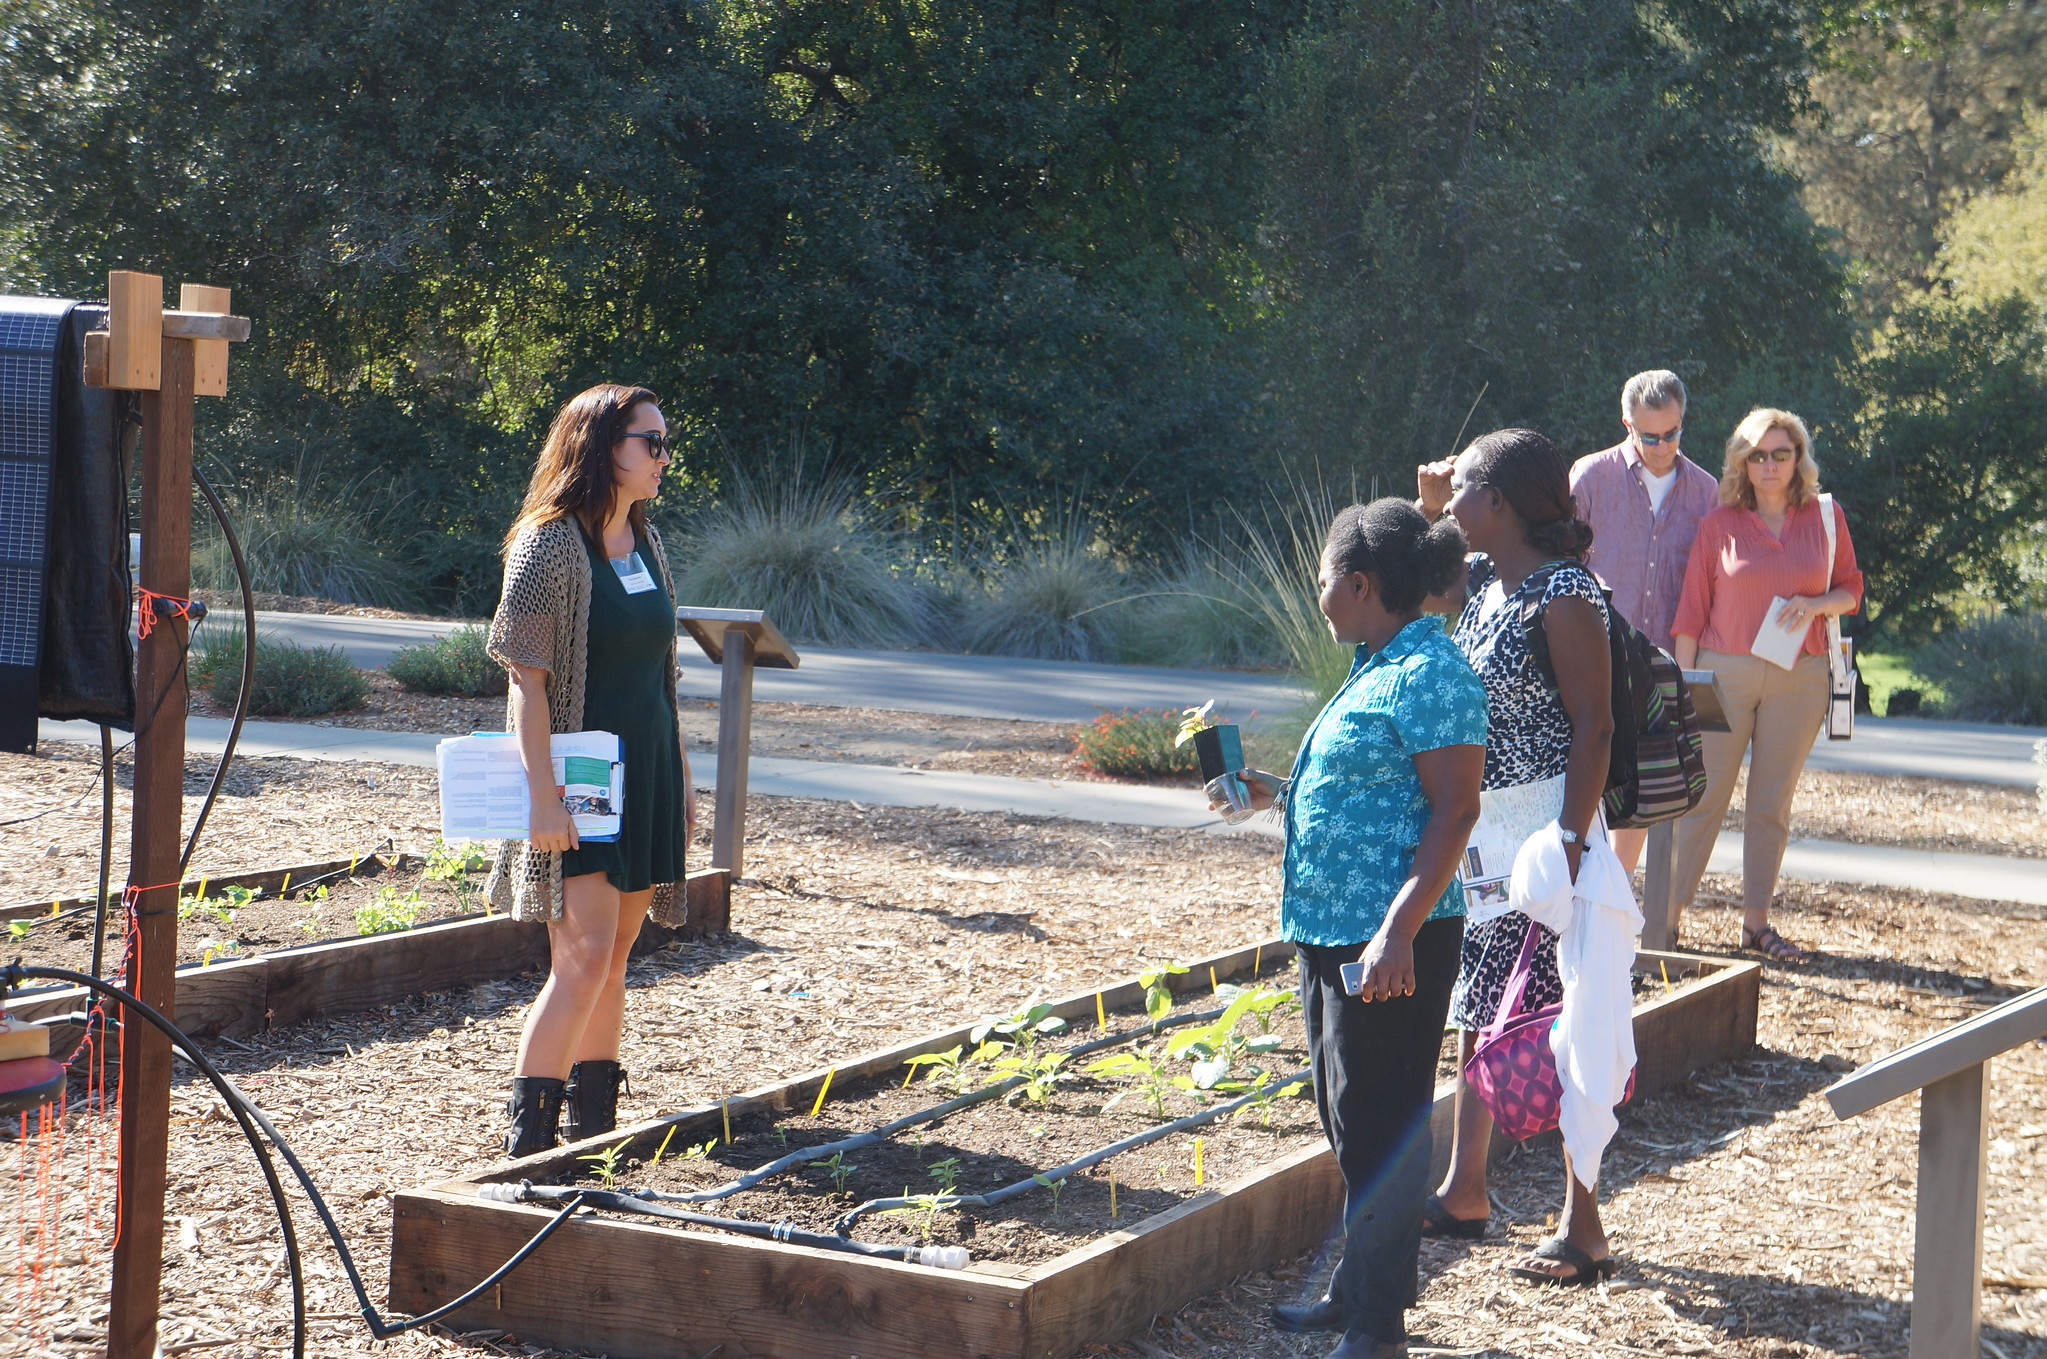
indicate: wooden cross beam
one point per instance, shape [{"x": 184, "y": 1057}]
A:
[{"x": 170, "y": 357}]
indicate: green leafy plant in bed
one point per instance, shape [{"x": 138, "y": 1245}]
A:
[
  {"x": 1148, "y": 1065},
  {"x": 1217, "y": 1049},
  {"x": 392, "y": 910}
]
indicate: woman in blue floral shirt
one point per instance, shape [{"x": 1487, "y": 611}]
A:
[{"x": 1381, "y": 801}]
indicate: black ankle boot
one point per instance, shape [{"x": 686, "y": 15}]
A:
[
  {"x": 593, "y": 1098},
  {"x": 535, "y": 1108}
]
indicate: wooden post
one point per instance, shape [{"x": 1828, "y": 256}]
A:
[
  {"x": 1947, "y": 1252},
  {"x": 153, "y": 861},
  {"x": 1659, "y": 856},
  {"x": 735, "y": 741}
]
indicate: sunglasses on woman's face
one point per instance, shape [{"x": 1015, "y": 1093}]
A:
[
  {"x": 1758, "y": 456},
  {"x": 658, "y": 446}
]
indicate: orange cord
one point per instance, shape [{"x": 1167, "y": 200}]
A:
[{"x": 145, "y": 609}]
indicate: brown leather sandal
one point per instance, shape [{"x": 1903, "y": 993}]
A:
[{"x": 1773, "y": 946}]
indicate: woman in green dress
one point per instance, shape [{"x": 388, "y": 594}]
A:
[{"x": 586, "y": 628}]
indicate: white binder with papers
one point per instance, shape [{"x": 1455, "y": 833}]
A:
[{"x": 483, "y": 785}]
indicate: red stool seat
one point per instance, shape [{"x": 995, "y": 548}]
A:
[{"x": 26, "y": 1082}]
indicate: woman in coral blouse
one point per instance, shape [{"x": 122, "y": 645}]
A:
[{"x": 1765, "y": 542}]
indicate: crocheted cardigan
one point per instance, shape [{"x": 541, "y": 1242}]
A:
[{"x": 543, "y": 621}]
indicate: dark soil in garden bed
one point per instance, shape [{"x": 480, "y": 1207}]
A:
[
  {"x": 1002, "y": 1142},
  {"x": 218, "y": 925}
]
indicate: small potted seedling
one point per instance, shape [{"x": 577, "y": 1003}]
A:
[{"x": 1219, "y": 746}]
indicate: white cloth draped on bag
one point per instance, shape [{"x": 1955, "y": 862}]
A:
[{"x": 1597, "y": 922}]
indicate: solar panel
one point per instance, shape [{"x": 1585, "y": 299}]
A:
[{"x": 30, "y": 328}]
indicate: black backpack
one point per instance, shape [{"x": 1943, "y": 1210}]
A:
[{"x": 1656, "y": 767}]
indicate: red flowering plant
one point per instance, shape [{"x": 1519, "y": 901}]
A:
[{"x": 1136, "y": 743}]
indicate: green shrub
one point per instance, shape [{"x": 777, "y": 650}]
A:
[
  {"x": 1993, "y": 668},
  {"x": 291, "y": 680},
  {"x": 1051, "y": 598},
  {"x": 808, "y": 555},
  {"x": 454, "y": 664},
  {"x": 1136, "y": 743}
]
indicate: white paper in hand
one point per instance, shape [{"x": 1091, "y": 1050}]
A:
[
  {"x": 483, "y": 785},
  {"x": 1506, "y": 818},
  {"x": 1776, "y": 644}
]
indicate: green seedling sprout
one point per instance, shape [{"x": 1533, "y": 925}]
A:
[
  {"x": 946, "y": 1172},
  {"x": 840, "y": 1169},
  {"x": 1041, "y": 1072},
  {"x": 925, "y": 1208},
  {"x": 952, "y": 1067},
  {"x": 1147, "y": 1064},
  {"x": 1216, "y": 1048},
  {"x": 1057, "y": 1187},
  {"x": 1266, "y": 1093},
  {"x": 450, "y": 862},
  {"x": 700, "y": 1152},
  {"x": 608, "y": 1162},
  {"x": 1158, "y": 994},
  {"x": 1022, "y": 1029},
  {"x": 18, "y": 929},
  {"x": 1268, "y": 1005}
]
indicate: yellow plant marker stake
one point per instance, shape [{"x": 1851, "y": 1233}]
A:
[
  {"x": 1213, "y": 985},
  {"x": 822, "y": 1090},
  {"x": 908, "y": 1076},
  {"x": 285, "y": 886},
  {"x": 1257, "y": 957},
  {"x": 202, "y": 888},
  {"x": 1666, "y": 975},
  {"x": 1197, "y": 1163},
  {"x": 1101, "y": 1019},
  {"x": 53, "y": 905},
  {"x": 353, "y": 860},
  {"x": 663, "y": 1149},
  {"x": 1112, "y": 1193},
  {"x": 725, "y": 1113}
]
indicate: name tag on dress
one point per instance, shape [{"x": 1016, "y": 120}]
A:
[{"x": 633, "y": 574}]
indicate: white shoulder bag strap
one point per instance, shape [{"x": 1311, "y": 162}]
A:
[{"x": 1839, "y": 668}]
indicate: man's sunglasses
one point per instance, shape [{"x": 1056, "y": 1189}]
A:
[
  {"x": 657, "y": 442},
  {"x": 1654, "y": 440},
  {"x": 1759, "y": 456}
]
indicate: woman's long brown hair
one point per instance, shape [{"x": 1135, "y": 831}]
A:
[{"x": 574, "y": 474}]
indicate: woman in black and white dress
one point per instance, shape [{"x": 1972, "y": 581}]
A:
[{"x": 1510, "y": 493}]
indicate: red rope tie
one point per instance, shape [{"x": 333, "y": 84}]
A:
[{"x": 148, "y": 604}]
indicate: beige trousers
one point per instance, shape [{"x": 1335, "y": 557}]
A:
[{"x": 1773, "y": 716}]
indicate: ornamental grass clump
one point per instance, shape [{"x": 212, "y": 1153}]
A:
[
  {"x": 1136, "y": 743},
  {"x": 291, "y": 680},
  {"x": 808, "y": 554},
  {"x": 458, "y": 663},
  {"x": 1056, "y": 598}
]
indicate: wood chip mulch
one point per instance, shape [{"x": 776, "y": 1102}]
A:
[{"x": 1751, "y": 1223}]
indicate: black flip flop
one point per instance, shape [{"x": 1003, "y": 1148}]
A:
[
  {"x": 1438, "y": 1221},
  {"x": 1584, "y": 1269}
]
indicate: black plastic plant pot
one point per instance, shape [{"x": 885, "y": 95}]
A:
[{"x": 1220, "y": 750}]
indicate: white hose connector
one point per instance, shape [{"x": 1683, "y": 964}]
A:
[
  {"x": 499, "y": 1193},
  {"x": 942, "y": 1257}
]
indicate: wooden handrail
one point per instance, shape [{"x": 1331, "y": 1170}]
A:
[
  {"x": 1958, "y": 1047},
  {"x": 1951, "y": 1070}
]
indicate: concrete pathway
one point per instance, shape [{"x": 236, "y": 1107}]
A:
[
  {"x": 1066, "y": 691},
  {"x": 1982, "y": 876},
  {"x": 999, "y": 687}
]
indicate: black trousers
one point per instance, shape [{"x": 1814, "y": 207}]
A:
[{"x": 1375, "y": 1080}]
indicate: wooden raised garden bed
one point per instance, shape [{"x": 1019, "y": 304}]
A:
[
  {"x": 633, "y": 1287},
  {"x": 246, "y": 993}
]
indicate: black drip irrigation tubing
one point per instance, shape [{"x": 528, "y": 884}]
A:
[
  {"x": 887, "y": 1130},
  {"x": 1050, "y": 1177},
  {"x": 939, "y": 1257},
  {"x": 251, "y": 1119}
]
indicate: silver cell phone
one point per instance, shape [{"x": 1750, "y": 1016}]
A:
[{"x": 1354, "y": 978}]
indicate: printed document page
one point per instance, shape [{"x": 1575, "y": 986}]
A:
[
  {"x": 483, "y": 785},
  {"x": 1506, "y": 818},
  {"x": 1773, "y": 643}
]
